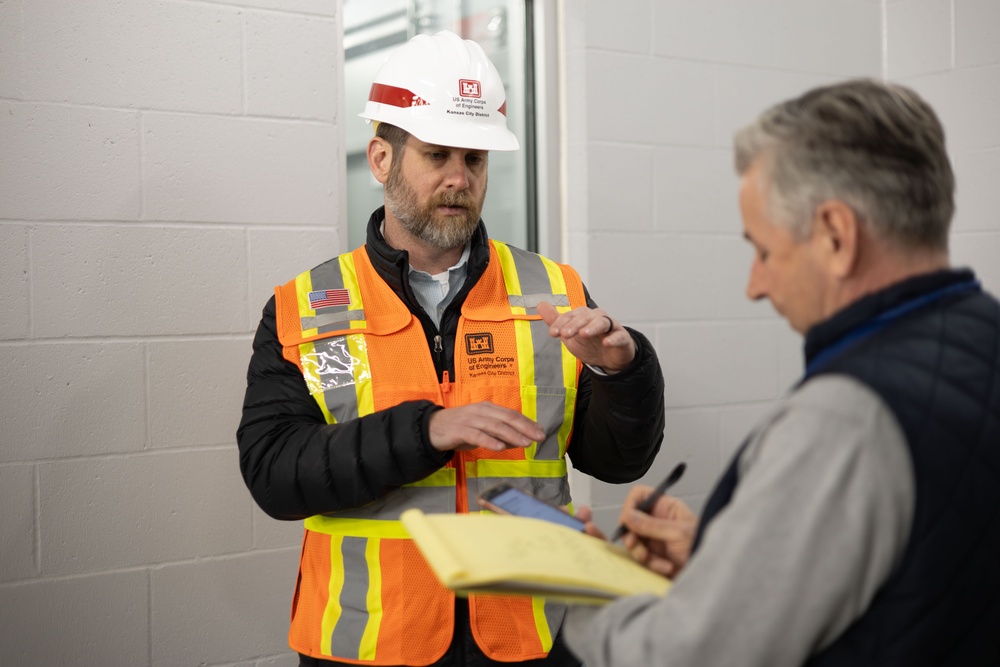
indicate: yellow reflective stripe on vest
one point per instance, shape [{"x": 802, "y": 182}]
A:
[
  {"x": 546, "y": 397},
  {"x": 349, "y": 596},
  {"x": 508, "y": 468},
  {"x": 432, "y": 494},
  {"x": 314, "y": 382},
  {"x": 542, "y": 623},
  {"x": 389, "y": 529},
  {"x": 333, "y": 609},
  {"x": 303, "y": 285},
  {"x": 336, "y": 369},
  {"x": 545, "y": 479},
  {"x": 339, "y": 274}
]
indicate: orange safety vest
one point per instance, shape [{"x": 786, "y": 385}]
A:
[{"x": 365, "y": 595}]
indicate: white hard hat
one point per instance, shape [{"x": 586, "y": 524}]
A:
[{"x": 442, "y": 89}]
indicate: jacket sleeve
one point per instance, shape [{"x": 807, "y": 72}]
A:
[
  {"x": 618, "y": 426},
  {"x": 296, "y": 465}
]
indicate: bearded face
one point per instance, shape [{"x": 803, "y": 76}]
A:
[{"x": 424, "y": 220}]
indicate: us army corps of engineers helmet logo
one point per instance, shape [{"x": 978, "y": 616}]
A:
[{"x": 482, "y": 360}]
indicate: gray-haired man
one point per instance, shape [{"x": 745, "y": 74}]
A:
[{"x": 859, "y": 524}]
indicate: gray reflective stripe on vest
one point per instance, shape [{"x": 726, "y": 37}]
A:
[
  {"x": 336, "y": 315},
  {"x": 534, "y": 279},
  {"x": 530, "y": 301},
  {"x": 350, "y": 628},
  {"x": 550, "y": 396},
  {"x": 328, "y": 275},
  {"x": 331, "y": 366},
  {"x": 554, "y": 614},
  {"x": 554, "y": 490},
  {"x": 550, "y": 385},
  {"x": 430, "y": 499}
]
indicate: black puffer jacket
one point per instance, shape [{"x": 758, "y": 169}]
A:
[{"x": 296, "y": 465}]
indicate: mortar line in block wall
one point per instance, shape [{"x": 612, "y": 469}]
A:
[
  {"x": 147, "y": 440},
  {"x": 256, "y": 10},
  {"x": 36, "y": 480},
  {"x": 142, "y": 164},
  {"x": 243, "y": 62},
  {"x": 172, "y": 112}
]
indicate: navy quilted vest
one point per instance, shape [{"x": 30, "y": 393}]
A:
[{"x": 936, "y": 364}]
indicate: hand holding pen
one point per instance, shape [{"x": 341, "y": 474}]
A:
[
  {"x": 646, "y": 505},
  {"x": 659, "y": 535}
]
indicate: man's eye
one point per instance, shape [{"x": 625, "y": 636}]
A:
[{"x": 438, "y": 156}]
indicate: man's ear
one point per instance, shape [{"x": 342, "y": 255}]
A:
[
  {"x": 837, "y": 231},
  {"x": 380, "y": 158}
]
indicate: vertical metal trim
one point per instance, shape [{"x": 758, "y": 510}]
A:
[{"x": 530, "y": 131}]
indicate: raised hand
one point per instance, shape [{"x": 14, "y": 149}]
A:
[{"x": 591, "y": 335}]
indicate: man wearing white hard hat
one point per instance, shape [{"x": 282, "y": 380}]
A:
[{"x": 423, "y": 368}]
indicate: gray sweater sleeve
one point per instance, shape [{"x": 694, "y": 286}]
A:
[{"x": 820, "y": 518}]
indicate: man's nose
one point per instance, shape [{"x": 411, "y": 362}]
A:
[
  {"x": 756, "y": 284},
  {"x": 457, "y": 173}
]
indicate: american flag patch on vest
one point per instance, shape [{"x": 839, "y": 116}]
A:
[{"x": 329, "y": 297}]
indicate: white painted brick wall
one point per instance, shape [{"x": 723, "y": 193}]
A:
[
  {"x": 163, "y": 164},
  {"x": 964, "y": 88},
  {"x": 96, "y": 619},
  {"x": 68, "y": 163},
  {"x": 13, "y": 281},
  {"x": 222, "y": 169},
  {"x": 148, "y": 55}
]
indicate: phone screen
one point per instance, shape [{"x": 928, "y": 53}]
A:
[{"x": 512, "y": 500}]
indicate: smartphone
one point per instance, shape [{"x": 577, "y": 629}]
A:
[{"x": 505, "y": 498}]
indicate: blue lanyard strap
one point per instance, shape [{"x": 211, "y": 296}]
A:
[{"x": 885, "y": 319}]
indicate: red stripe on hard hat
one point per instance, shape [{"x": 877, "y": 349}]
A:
[
  {"x": 503, "y": 108},
  {"x": 396, "y": 97}
]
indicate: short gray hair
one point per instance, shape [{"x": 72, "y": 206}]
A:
[{"x": 877, "y": 147}]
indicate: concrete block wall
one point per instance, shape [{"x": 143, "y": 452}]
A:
[
  {"x": 654, "y": 91},
  {"x": 949, "y": 53},
  {"x": 163, "y": 164}
]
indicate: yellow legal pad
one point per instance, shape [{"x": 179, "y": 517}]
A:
[{"x": 512, "y": 555}]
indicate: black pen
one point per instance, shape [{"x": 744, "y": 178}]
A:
[{"x": 648, "y": 503}]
